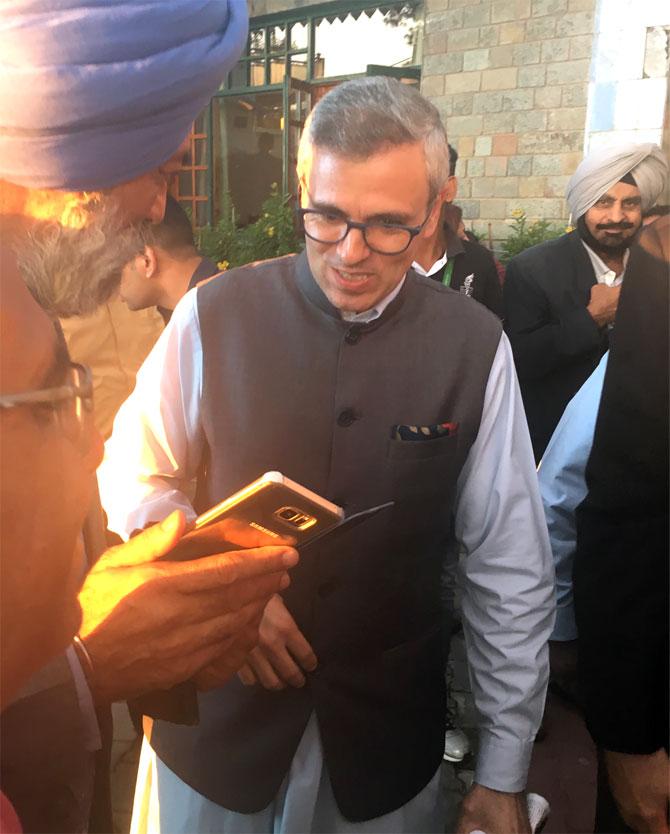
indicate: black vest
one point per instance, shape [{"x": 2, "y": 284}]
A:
[{"x": 289, "y": 385}]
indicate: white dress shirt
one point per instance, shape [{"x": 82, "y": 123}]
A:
[
  {"x": 603, "y": 273},
  {"x": 508, "y": 581}
]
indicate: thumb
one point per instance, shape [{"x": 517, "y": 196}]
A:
[{"x": 150, "y": 544}]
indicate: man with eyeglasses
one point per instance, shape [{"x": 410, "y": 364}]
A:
[
  {"x": 365, "y": 382},
  {"x": 74, "y": 179}
]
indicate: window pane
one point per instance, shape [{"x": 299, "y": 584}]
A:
[
  {"x": 348, "y": 45},
  {"x": 277, "y": 70},
  {"x": 299, "y": 36},
  {"x": 257, "y": 74},
  {"x": 239, "y": 75},
  {"x": 278, "y": 39},
  {"x": 247, "y": 152},
  {"x": 298, "y": 68},
  {"x": 257, "y": 42}
]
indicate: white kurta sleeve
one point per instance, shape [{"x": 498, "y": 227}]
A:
[
  {"x": 154, "y": 452},
  {"x": 508, "y": 582}
]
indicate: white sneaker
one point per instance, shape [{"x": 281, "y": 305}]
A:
[
  {"x": 538, "y": 811},
  {"x": 456, "y": 745}
]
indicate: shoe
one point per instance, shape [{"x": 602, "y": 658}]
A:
[
  {"x": 538, "y": 811},
  {"x": 456, "y": 745}
]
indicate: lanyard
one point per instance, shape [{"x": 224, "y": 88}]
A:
[{"x": 446, "y": 278}]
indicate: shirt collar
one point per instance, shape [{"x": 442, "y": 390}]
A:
[
  {"x": 605, "y": 275},
  {"x": 376, "y": 311},
  {"x": 454, "y": 247},
  {"x": 439, "y": 263}
]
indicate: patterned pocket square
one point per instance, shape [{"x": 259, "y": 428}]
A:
[{"x": 414, "y": 433}]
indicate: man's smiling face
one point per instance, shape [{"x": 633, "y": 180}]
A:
[
  {"x": 615, "y": 219},
  {"x": 388, "y": 187}
]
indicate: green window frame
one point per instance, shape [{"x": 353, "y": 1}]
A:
[{"x": 262, "y": 53}]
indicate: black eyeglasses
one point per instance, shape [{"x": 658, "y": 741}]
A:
[
  {"x": 71, "y": 402},
  {"x": 383, "y": 238}
]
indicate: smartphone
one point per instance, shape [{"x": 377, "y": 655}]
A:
[{"x": 279, "y": 507}]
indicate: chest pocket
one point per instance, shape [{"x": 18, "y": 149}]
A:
[{"x": 423, "y": 472}]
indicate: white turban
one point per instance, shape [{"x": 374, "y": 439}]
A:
[{"x": 602, "y": 168}]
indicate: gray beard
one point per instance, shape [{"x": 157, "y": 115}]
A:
[{"x": 71, "y": 272}]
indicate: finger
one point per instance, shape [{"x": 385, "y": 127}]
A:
[
  {"x": 207, "y": 607},
  {"x": 285, "y": 666},
  {"x": 148, "y": 545},
  {"x": 241, "y": 533},
  {"x": 263, "y": 670},
  {"x": 226, "y": 568},
  {"x": 246, "y": 675},
  {"x": 223, "y": 668},
  {"x": 213, "y": 633},
  {"x": 302, "y": 651}
]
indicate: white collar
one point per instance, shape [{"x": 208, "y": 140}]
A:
[
  {"x": 605, "y": 275},
  {"x": 439, "y": 263},
  {"x": 376, "y": 311}
]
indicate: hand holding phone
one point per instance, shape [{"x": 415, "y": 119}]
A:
[{"x": 272, "y": 510}]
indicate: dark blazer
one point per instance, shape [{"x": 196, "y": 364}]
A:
[
  {"x": 556, "y": 343},
  {"x": 474, "y": 271},
  {"x": 621, "y": 563}
]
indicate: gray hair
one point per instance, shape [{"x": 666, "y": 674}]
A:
[
  {"x": 71, "y": 272},
  {"x": 366, "y": 115}
]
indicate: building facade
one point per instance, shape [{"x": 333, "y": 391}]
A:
[{"x": 525, "y": 87}]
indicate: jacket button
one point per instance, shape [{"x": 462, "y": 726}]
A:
[
  {"x": 346, "y": 417},
  {"x": 353, "y": 336}
]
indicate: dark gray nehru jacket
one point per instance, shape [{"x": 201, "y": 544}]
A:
[{"x": 289, "y": 385}]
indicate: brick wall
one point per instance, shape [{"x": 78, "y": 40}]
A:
[{"x": 510, "y": 78}]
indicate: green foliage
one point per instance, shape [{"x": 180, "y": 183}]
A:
[
  {"x": 272, "y": 235},
  {"x": 525, "y": 234}
]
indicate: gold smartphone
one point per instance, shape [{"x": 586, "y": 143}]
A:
[{"x": 279, "y": 507}]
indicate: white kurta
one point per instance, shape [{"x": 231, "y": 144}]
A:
[{"x": 508, "y": 582}]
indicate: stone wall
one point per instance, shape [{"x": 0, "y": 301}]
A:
[{"x": 510, "y": 78}]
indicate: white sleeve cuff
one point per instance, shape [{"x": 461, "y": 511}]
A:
[{"x": 502, "y": 765}]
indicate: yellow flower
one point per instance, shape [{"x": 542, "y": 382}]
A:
[
  {"x": 518, "y": 213},
  {"x": 271, "y": 231},
  {"x": 569, "y": 228},
  {"x": 223, "y": 265}
]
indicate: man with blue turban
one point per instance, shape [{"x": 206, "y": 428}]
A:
[{"x": 96, "y": 99}]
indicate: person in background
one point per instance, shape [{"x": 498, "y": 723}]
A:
[
  {"x": 71, "y": 194},
  {"x": 621, "y": 562},
  {"x": 167, "y": 267},
  {"x": 458, "y": 261},
  {"x": 113, "y": 342},
  {"x": 561, "y": 296}
]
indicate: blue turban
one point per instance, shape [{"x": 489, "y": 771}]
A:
[{"x": 94, "y": 93}]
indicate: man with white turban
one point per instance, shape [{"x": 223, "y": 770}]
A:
[
  {"x": 561, "y": 296},
  {"x": 96, "y": 99}
]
